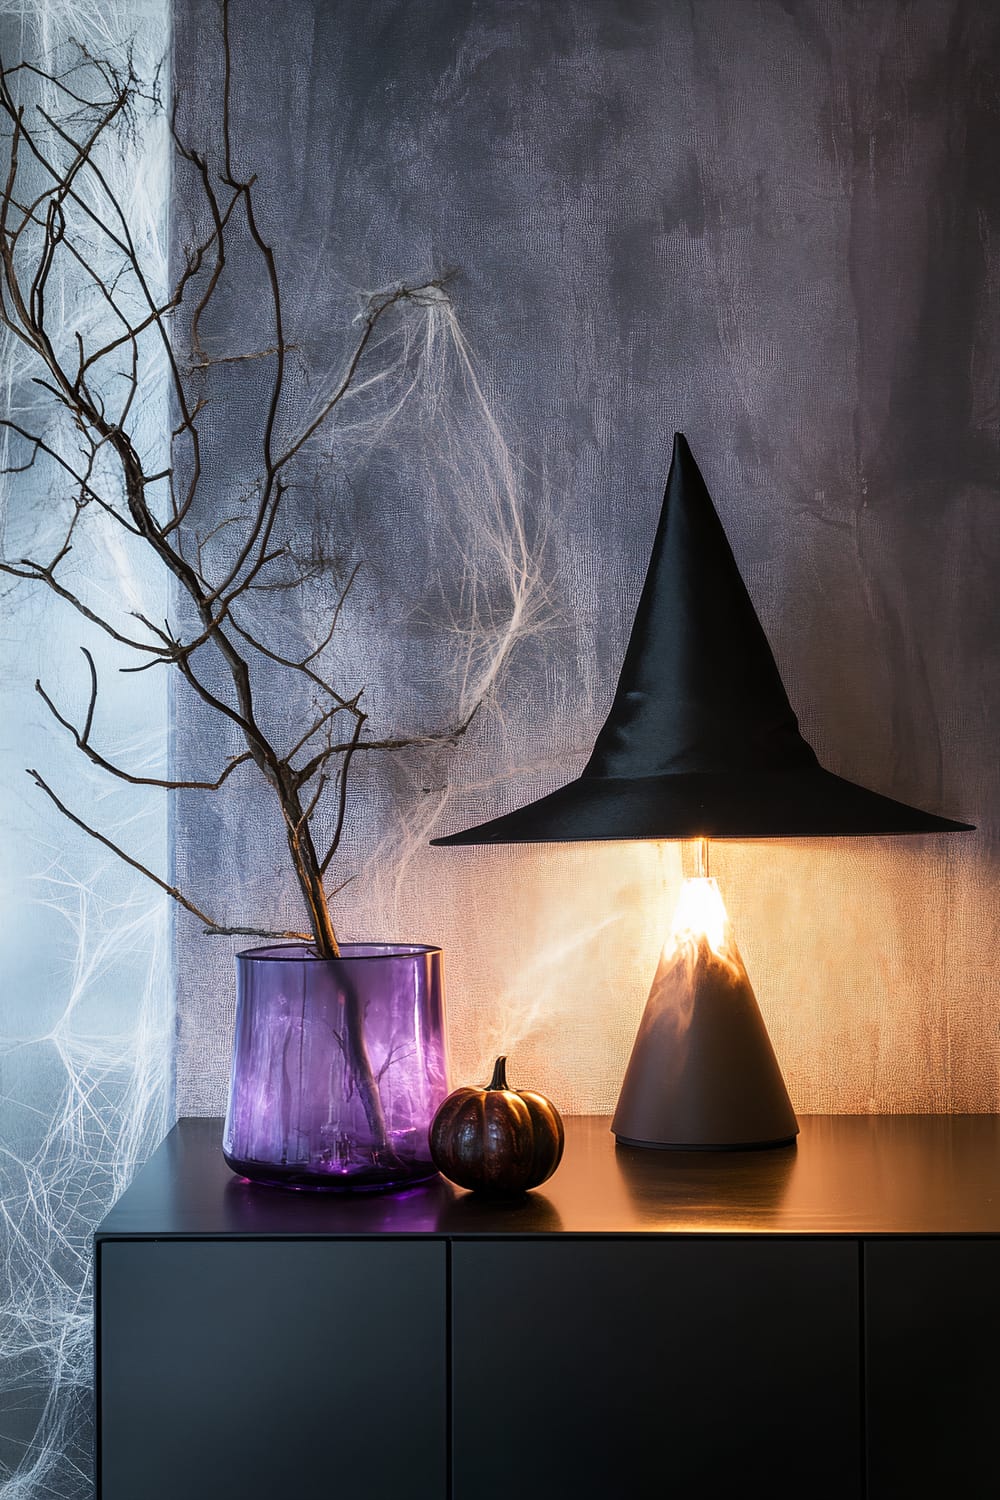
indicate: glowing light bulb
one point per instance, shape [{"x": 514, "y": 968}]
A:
[{"x": 700, "y": 915}]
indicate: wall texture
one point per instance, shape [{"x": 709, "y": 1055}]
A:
[{"x": 775, "y": 227}]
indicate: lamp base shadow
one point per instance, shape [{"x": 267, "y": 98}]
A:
[{"x": 785, "y": 1140}]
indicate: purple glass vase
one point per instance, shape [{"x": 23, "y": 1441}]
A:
[{"x": 339, "y": 1065}]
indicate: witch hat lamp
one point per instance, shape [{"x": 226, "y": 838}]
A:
[{"x": 701, "y": 741}]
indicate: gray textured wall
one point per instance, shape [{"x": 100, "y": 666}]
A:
[{"x": 771, "y": 225}]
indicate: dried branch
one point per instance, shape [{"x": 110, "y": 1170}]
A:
[
  {"x": 215, "y": 929},
  {"x": 38, "y": 445},
  {"x": 117, "y": 850},
  {"x": 236, "y": 359},
  {"x": 82, "y": 739},
  {"x": 299, "y": 937},
  {"x": 335, "y": 619},
  {"x": 69, "y": 219},
  {"x": 38, "y": 573},
  {"x": 294, "y": 666}
]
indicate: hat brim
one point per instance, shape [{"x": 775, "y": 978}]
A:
[{"x": 804, "y": 803}]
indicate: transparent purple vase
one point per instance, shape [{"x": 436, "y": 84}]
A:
[{"x": 339, "y": 1066}]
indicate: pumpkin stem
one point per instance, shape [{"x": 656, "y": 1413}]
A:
[{"x": 499, "y": 1079}]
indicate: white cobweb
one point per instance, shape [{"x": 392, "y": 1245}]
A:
[
  {"x": 86, "y": 1022},
  {"x": 104, "y": 1096}
]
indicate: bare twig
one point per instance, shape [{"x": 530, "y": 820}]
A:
[
  {"x": 298, "y": 937},
  {"x": 60, "y": 213},
  {"x": 117, "y": 850},
  {"x": 82, "y": 739}
]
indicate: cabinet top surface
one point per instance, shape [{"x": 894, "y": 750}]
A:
[{"x": 847, "y": 1175}]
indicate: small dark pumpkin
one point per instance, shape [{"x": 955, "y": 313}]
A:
[{"x": 497, "y": 1139}]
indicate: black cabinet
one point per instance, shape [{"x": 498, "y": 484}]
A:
[
  {"x": 818, "y": 1321},
  {"x": 693, "y": 1368},
  {"x": 255, "y": 1368},
  {"x": 933, "y": 1368}
]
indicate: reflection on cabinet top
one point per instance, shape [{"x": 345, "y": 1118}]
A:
[{"x": 848, "y": 1175}]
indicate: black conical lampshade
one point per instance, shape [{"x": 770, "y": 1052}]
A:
[{"x": 701, "y": 739}]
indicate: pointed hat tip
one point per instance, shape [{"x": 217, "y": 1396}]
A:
[{"x": 684, "y": 470}]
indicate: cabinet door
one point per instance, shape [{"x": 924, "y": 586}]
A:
[
  {"x": 933, "y": 1332},
  {"x": 656, "y": 1369},
  {"x": 249, "y": 1370}
]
